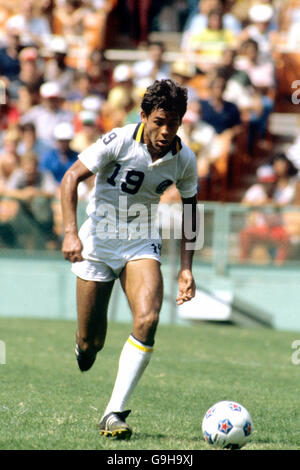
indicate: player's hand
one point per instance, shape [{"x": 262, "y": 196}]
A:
[
  {"x": 186, "y": 286},
  {"x": 72, "y": 248}
]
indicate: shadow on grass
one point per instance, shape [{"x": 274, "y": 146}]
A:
[{"x": 163, "y": 437}]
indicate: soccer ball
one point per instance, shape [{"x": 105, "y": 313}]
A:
[{"x": 227, "y": 425}]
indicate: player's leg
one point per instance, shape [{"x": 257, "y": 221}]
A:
[
  {"x": 92, "y": 304},
  {"x": 143, "y": 285}
]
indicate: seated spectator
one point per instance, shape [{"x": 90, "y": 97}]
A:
[
  {"x": 222, "y": 115},
  {"x": 100, "y": 72},
  {"x": 93, "y": 104},
  {"x": 56, "y": 68},
  {"x": 285, "y": 171},
  {"x": 29, "y": 142},
  {"x": 198, "y": 22},
  {"x": 276, "y": 183},
  {"x": 122, "y": 85},
  {"x": 120, "y": 98},
  {"x": 9, "y": 164},
  {"x": 44, "y": 9},
  {"x": 209, "y": 43},
  {"x": 59, "y": 159},
  {"x": 9, "y": 57},
  {"x": 134, "y": 114},
  {"x": 79, "y": 90},
  {"x": 290, "y": 21},
  {"x": 239, "y": 89},
  {"x": 260, "y": 71},
  {"x": 277, "y": 186},
  {"x": 183, "y": 72},
  {"x": 260, "y": 16},
  {"x": 96, "y": 35},
  {"x": 30, "y": 74},
  {"x": 10, "y": 140},
  {"x": 69, "y": 18},
  {"x": 9, "y": 113},
  {"x": 28, "y": 97},
  {"x": 34, "y": 189},
  {"x": 34, "y": 29},
  {"x": 240, "y": 9},
  {"x": 9, "y": 158},
  {"x": 259, "y": 193},
  {"x": 262, "y": 75},
  {"x": 289, "y": 14},
  {"x": 29, "y": 177},
  {"x": 202, "y": 138},
  {"x": 49, "y": 113},
  {"x": 153, "y": 68},
  {"x": 199, "y": 136},
  {"x": 225, "y": 118},
  {"x": 88, "y": 133}
]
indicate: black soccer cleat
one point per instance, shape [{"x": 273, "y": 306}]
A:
[
  {"x": 85, "y": 359},
  {"x": 114, "y": 425}
]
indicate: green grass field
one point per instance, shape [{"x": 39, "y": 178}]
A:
[{"x": 46, "y": 403}]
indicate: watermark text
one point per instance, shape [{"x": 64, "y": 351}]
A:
[
  {"x": 296, "y": 354},
  {"x": 152, "y": 222},
  {"x": 296, "y": 94},
  {"x": 2, "y": 352}
]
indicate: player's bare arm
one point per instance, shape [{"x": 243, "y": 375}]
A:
[
  {"x": 72, "y": 246},
  {"x": 186, "y": 282}
]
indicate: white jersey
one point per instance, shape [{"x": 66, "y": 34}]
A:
[
  {"x": 124, "y": 167},
  {"x": 128, "y": 186}
]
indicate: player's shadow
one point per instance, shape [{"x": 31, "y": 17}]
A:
[
  {"x": 162, "y": 437},
  {"x": 143, "y": 436}
]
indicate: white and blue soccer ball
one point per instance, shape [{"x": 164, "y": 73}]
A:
[{"x": 227, "y": 425}]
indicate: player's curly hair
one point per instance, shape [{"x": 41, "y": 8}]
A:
[{"x": 167, "y": 95}]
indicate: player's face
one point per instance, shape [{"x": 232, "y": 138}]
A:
[{"x": 160, "y": 130}]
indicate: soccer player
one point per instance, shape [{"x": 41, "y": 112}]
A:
[{"x": 133, "y": 165}]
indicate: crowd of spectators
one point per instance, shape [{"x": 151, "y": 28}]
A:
[{"x": 59, "y": 91}]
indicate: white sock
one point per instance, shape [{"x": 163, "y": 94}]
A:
[{"x": 134, "y": 358}]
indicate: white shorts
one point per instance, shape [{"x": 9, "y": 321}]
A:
[{"x": 114, "y": 258}]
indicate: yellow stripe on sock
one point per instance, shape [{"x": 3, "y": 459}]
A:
[{"x": 139, "y": 346}]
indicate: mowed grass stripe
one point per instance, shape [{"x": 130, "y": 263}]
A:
[{"x": 46, "y": 403}]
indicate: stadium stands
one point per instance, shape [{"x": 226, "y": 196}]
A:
[{"x": 60, "y": 64}]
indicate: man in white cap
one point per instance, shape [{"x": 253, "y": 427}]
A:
[
  {"x": 89, "y": 131},
  {"x": 260, "y": 17},
  {"x": 34, "y": 30},
  {"x": 122, "y": 85},
  {"x": 120, "y": 99},
  {"x": 154, "y": 67},
  {"x": 56, "y": 68},
  {"x": 59, "y": 159},
  {"x": 49, "y": 113}
]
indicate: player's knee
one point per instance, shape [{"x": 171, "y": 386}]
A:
[
  {"x": 146, "y": 324},
  {"x": 150, "y": 319}
]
